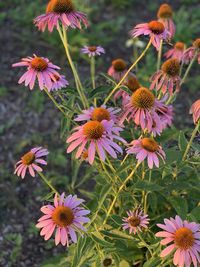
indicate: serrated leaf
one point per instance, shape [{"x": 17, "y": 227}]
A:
[{"x": 180, "y": 205}]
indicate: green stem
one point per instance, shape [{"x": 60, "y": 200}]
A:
[
  {"x": 146, "y": 245},
  {"x": 159, "y": 55},
  {"x": 127, "y": 73},
  {"x": 191, "y": 140},
  {"x": 48, "y": 183},
  {"x": 188, "y": 69},
  {"x": 55, "y": 103},
  {"x": 92, "y": 71},
  {"x": 118, "y": 192}
]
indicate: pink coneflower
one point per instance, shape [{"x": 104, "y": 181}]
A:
[
  {"x": 93, "y": 51},
  {"x": 176, "y": 52},
  {"x": 147, "y": 148},
  {"x": 118, "y": 69},
  {"x": 141, "y": 109},
  {"x": 132, "y": 84},
  {"x": 60, "y": 11},
  {"x": 99, "y": 136},
  {"x": 183, "y": 238},
  {"x": 40, "y": 68},
  {"x": 154, "y": 29},
  {"x": 192, "y": 51},
  {"x": 64, "y": 217},
  {"x": 195, "y": 110},
  {"x": 164, "y": 15},
  {"x": 59, "y": 83},
  {"x": 99, "y": 114},
  {"x": 29, "y": 162},
  {"x": 136, "y": 221},
  {"x": 167, "y": 79}
]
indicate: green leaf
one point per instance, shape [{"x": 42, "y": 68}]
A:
[
  {"x": 100, "y": 240},
  {"x": 180, "y": 205},
  {"x": 100, "y": 90},
  {"x": 153, "y": 262},
  {"x": 147, "y": 186},
  {"x": 195, "y": 214},
  {"x": 182, "y": 141}
]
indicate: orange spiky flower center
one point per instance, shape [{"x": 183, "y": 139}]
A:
[
  {"x": 39, "y": 64},
  {"x": 165, "y": 11},
  {"x": 143, "y": 98},
  {"x": 184, "y": 238},
  {"x": 63, "y": 216},
  {"x": 180, "y": 46},
  {"x": 28, "y": 158},
  {"x": 149, "y": 144},
  {"x": 156, "y": 27},
  {"x": 119, "y": 65},
  {"x": 93, "y": 130},
  {"x": 171, "y": 67},
  {"x": 92, "y": 48},
  {"x": 60, "y": 6},
  {"x": 134, "y": 221},
  {"x": 196, "y": 43},
  {"x": 132, "y": 84},
  {"x": 100, "y": 114}
]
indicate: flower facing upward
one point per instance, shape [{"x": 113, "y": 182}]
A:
[
  {"x": 192, "y": 51},
  {"x": 195, "y": 110},
  {"x": 59, "y": 83},
  {"x": 155, "y": 29},
  {"x": 117, "y": 69},
  {"x": 64, "y": 217},
  {"x": 141, "y": 109},
  {"x": 29, "y": 162},
  {"x": 167, "y": 79},
  {"x": 99, "y": 114},
  {"x": 147, "y": 148},
  {"x": 99, "y": 136},
  {"x": 176, "y": 52},
  {"x": 63, "y": 11},
  {"x": 92, "y": 51},
  {"x": 132, "y": 84},
  {"x": 183, "y": 238},
  {"x": 40, "y": 68},
  {"x": 136, "y": 221},
  {"x": 164, "y": 15}
]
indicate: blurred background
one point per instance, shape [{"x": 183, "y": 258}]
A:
[{"x": 29, "y": 118}]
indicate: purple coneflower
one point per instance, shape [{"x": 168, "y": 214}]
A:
[
  {"x": 147, "y": 148},
  {"x": 59, "y": 83},
  {"x": 60, "y": 11},
  {"x": 64, "y": 217},
  {"x": 182, "y": 238},
  {"x": 164, "y": 15},
  {"x": 195, "y": 110},
  {"x": 118, "y": 69},
  {"x": 40, "y": 68},
  {"x": 192, "y": 51},
  {"x": 155, "y": 29},
  {"x": 177, "y": 51},
  {"x": 30, "y": 161},
  {"x": 93, "y": 51}
]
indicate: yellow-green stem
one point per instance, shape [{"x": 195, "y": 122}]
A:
[
  {"x": 127, "y": 73},
  {"x": 159, "y": 55},
  {"x": 47, "y": 182},
  {"x": 191, "y": 140},
  {"x": 92, "y": 71},
  {"x": 188, "y": 69}
]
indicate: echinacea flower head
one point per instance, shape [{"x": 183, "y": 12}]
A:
[
  {"x": 118, "y": 69},
  {"x": 40, "y": 68},
  {"x": 141, "y": 109},
  {"x": 195, "y": 110},
  {"x": 167, "y": 79},
  {"x": 193, "y": 51},
  {"x": 64, "y": 217},
  {"x": 136, "y": 221},
  {"x": 147, "y": 148},
  {"x": 132, "y": 83},
  {"x": 182, "y": 238},
  {"x": 30, "y": 162},
  {"x": 59, "y": 83},
  {"x": 165, "y": 14},
  {"x": 99, "y": 136},
  {"x": 93, "y": 51},
  {"x": 60, "y": 11},
  {"x": 155, "y": 29},
  {"x": 99, "y": 114},
  {"x": 177, "y": 51}
]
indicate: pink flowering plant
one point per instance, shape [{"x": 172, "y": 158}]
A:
[{"x": 134, "y": 198}]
